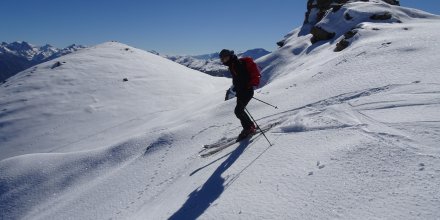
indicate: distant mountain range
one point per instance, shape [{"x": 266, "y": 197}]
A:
[
  {"x": 210, "y": 63},
  {"x": 20, "y": 55}
]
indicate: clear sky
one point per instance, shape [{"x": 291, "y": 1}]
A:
[{"x": 167, "y": 26}]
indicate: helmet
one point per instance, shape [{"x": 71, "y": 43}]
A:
[{"x": 226, "y": 52}]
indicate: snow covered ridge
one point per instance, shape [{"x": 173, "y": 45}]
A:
[
  {"x": 330, "y": 19},
  {"x": 102, "y": 85},
  {"x": 338, "y": 24},
  {"x": 210, "y": 63},
  {"x": 20, "y": 55}
]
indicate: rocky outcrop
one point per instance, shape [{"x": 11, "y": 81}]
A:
[
  {"x": 345, "y": 42},
  {"x": 322, "y": 6},
  {"x": 382, "y": 16},
  {"x": 392, "y": 2},
  {"x": 318, "y": 9},
  {"x": 320, "y": 34}
]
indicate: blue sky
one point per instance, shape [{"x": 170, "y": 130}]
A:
[{"x": 167, "y": 26}]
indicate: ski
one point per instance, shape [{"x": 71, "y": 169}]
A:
[
  {"x": 220, "y": 143},
  {"x": 227, "y": 142}
]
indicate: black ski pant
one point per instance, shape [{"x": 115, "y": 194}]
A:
[{"x": 243, "y": 98}]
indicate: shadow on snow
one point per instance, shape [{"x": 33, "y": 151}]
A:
[{"x": 200, "y": 199}]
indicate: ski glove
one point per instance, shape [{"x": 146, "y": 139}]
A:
[{"x": 230, "y": 93}]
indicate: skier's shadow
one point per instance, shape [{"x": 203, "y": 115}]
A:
[{"x": 200, "y": 199}]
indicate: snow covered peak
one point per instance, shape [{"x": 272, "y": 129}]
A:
[
  {"x": 20, "y": 46},
  {"x": 33, "y": 53},
  {"x": 20, "y": 55},
  {"x": 46, "y": 47},
  {"x": 254, "y": 53}
]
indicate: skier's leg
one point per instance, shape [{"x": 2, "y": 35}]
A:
[
  {"x": 240, "y": 113},
  {"x": 247, "y": 119},
  {"x": 242, "y": 102}
]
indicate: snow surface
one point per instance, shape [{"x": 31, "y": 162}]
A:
[{"x": 358, "y": 137}]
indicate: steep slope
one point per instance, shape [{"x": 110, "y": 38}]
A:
[
  {"x": 357, "y": 138},
  {"x": 18, "y": 56}
]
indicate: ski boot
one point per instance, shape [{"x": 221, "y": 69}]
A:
[{"x": 247, "y": 133}]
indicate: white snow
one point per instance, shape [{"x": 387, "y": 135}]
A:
[{"x": 358, "y": 137}]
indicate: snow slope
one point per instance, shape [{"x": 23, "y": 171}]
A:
[
  {"x": 44, "y": 107},
  {"x": 358, "y": 135}
]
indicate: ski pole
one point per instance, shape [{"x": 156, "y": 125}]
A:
[
  {"x": 258, "y": 126},
  {"x": 276, "y": 107}
]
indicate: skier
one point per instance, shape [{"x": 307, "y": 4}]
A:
[{"x": 245, "y": 78}]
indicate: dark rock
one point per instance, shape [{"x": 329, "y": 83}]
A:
[
  {"x": 392, "y": 2},
  {"x": 347, "y": 16},
  {"x": 350, "y": 34},
  {"x": 324, "y": 4},
  {"x": 341, "y": 45},
  {"x": 56, "y": 64},
  {"x": 336, "y": 7},
  {"x": 281, "y": 43},
  {"x": 383, "y": 16},
  {"x": 125, "y": 80},
  {"x": 320, "y": 34}
]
